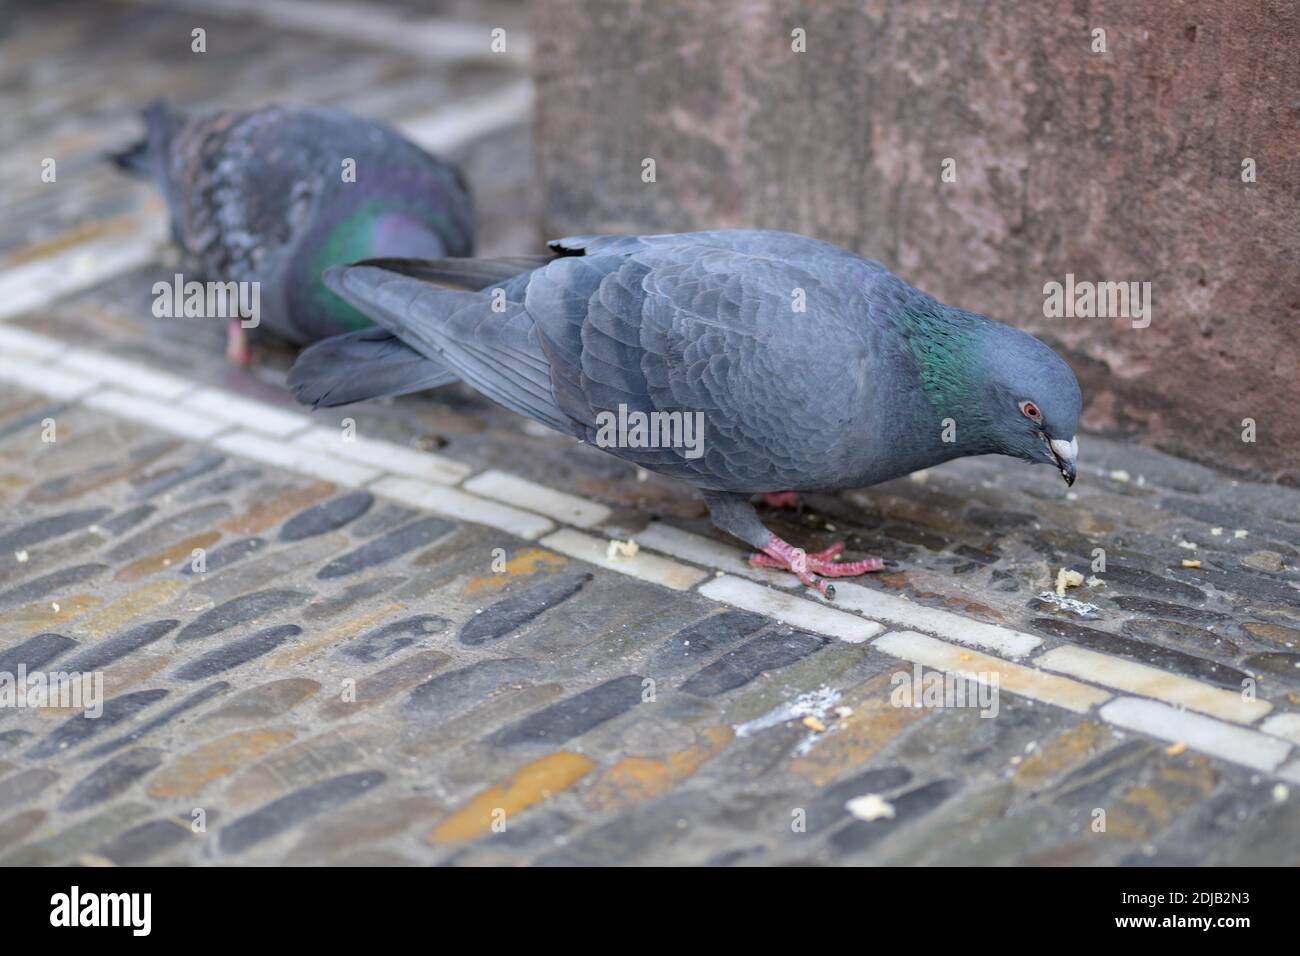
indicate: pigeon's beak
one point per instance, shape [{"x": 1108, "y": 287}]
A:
[{"x": 1065, "y": 453}]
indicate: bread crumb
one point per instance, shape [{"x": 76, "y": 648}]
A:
[
  {"x": 871, "y": 806},
  {"x": 1216, "y": 531},
  {"x": 21, "y": 556},
  {"x": 1065, "y": 578},
  {"x": 813, "y": 724},
  {"x": 1240, "y": 533},
  {"x": 1095, "y": 582},
  {"x": 1193, "y": 565},
  {"x": 1119, "y": 474},
  {"x": 621, "y": 549},
  {"x": 1174, "y": 750}
]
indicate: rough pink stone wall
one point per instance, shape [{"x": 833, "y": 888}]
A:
[{"x": 1117, "y": 166}]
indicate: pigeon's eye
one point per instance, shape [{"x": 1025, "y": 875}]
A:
[{"x": 1031, "y": 411}]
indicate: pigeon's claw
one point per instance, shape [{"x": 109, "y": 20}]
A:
[
  {"x": 781, "y": 499},
  {"x": 784, "y": 556}
]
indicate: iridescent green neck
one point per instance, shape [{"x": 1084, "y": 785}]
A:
[
  {"x": 945, "y": 343},
  {"x": 349, "y": 241}
]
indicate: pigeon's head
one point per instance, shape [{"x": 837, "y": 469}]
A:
[
  {"x": 1035, "y": 401},
  {"x": 1003, "y": 391}
]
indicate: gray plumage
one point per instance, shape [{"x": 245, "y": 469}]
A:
[
  {"x": 262, "y": 196},
  {"x": 852, "y": 391}
]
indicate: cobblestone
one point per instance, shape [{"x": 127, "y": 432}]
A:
[{"x": 417, "y": 649}]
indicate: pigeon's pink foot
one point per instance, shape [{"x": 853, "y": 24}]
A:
[
  {"x": 781, "y": 499},
  {"x": 783, "y": 556},
  {"x": 237, "y": 349}
]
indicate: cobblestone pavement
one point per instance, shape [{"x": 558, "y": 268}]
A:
[{"x": 415, "y": 647}]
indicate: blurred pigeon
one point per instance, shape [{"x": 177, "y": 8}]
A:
[
  {"x": 263, "y": 196},
  {"x": 871, "y": 381}
]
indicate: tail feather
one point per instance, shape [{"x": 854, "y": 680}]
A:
[
  {"x": 143, "y": 157},
  {"x": 134, "y": 159},
  {"x": 495, "y": 351},
  {"x": 370, "y": 363}
]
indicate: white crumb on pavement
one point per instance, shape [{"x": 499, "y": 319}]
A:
[{"x": 870, "y": 806}]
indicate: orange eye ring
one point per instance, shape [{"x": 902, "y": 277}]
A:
[{"x": 1031, "y": 411}]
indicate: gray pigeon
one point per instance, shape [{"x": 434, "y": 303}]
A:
[
  {"x": 870, "y": 381},
  {"x": 270, "y": 196}
]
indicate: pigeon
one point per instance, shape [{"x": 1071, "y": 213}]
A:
[
  {"x": 806, "y": 366},
  {"x": 277, "y": 195}
]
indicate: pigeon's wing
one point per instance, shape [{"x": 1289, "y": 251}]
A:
[
  {"x": 232, "y": 209},
  {"x": 756, "y": 333},
  {"x": 752, "y": 337}
]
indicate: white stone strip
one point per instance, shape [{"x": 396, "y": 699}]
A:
[
  {"x": 796, "y": 611},
  {"x": 42, "y": 281},
  {"x": 383, "y": 455},
  {"x": 1151, "y": 682},
  {"x": 645, "y": 567},
  {"x": 945, "y": 624},
  {"x": 513, "y": 490},
  {"x": 246, "y": 413},
  {"x": 463, "y": 506},
  {"x": 154, "y": 413},
  {"x": 698, "y": 549},
  {"x": 295, "y": 458},
  {"x": 131, "y": 376},
  {"x": 1016, "y": 678},
  {"x": 28, "y": 373},
  {"x": 450, "y": 128},
  {"x": 1229, "y": 742},
  {"x": 19, "y": 342},
  {"x": 434, "y": 38},
  {"x": 1286, "y": 726}
]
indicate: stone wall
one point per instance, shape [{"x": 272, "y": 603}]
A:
[{"x": 1122, "y": 165}]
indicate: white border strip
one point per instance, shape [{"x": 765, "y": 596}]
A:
[
  {"x": 1229, "y": 742},
  {"x": 42, "y": 281}
]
